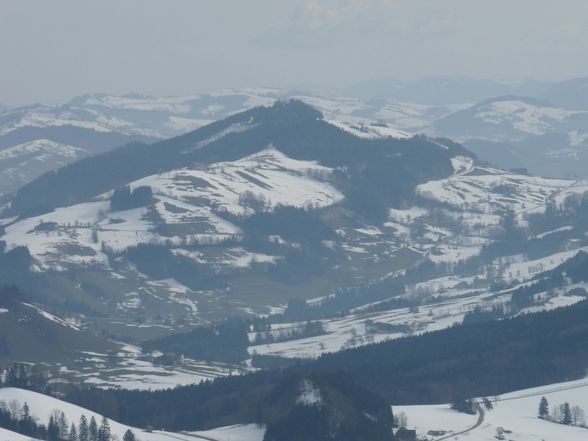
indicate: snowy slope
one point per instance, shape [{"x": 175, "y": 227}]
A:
[
  {"x": 493, "y": 191},
  {"x": 7, "y": 435},
  {"x": 515, "y": 412},
  {"x": 522, "y": 132},
  {"x": 269, "y": 174},
  {"x": 510, "y": 119},
  {"x": 41, "y": 407},
  {"x": 95, "y": 123},
  {"x": 22, "y": 161},
  {"x": 371, "y": 131},
  {"x": 76, "y": 235}
]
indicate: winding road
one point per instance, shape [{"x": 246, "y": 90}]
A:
[{"x": 481, "y": 415}]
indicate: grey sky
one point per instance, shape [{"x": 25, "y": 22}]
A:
[{"x": 51, "y": 50}]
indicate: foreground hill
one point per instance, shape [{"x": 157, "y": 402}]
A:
[
  {"x": 41, "y": 407},
  {"x": 513, "y": 414},
  {"x": 329, "y": 407}
]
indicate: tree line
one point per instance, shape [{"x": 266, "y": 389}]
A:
[{"x": 19, "y": 419}]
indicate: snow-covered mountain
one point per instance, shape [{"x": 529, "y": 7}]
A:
[
  {"x": 516, "y": 132},
  {"x": 245, "y": 214},
  {"x": 505, "y": 131},
  {"x": 210, "y": 189},
  {"x": 96, "y": 123}
]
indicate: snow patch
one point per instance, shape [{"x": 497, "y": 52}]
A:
[
  {"x": 371, "y": 131},
  {"x": 309, "y": 394}
]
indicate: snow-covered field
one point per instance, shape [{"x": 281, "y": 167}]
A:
[
  {"x": 77, "y": 235},
  {"x": 446, "y": 301},
  {"x": 41, "y": 407},
  {"x": 523, "y": 116},
  {"x": 490, "y": 191},
  {"x": 515, "y": 412},
  {"x": 20, "y": 162},
  {"x": 269, "y": 175},
  {"x": 370, "y": 131},
  {"x": 7, "y": 435}
]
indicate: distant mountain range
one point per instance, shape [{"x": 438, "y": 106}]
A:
[
  {"x": 40, "y": 138},
  {"x": 449, "y": 90},
  {"x": 534, "y": 125},
  {"x": 523, "y": 132}
]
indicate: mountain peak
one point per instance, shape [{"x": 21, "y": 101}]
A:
[{"x": 286, "y": 112}]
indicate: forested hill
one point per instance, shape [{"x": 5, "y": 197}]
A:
[
  {"x": 295, "y": 128},
  {"x": 463, "y": 361}
]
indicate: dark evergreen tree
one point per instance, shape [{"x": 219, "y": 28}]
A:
[
  {"x": 566, "y": 416},
  {"x": 129, "y": 436},
  {"x": 63, "y": 426},
  {"x": 543, "y": 408},
  {"x": 93, "y": 429},
  {"x": 53, "y": 429},
  {"x": 84, "y": 431},
  {"x": 73, "y": 433},
  {"x": 464, "y": 405},
  {"x": 104, "y": 431},
  {"x": 22, "y": 380},
  {"x": 26, "y": 421},
  {"x": 11, "y": 377}
]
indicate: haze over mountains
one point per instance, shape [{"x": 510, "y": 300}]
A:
[{"x": 533, "y": 125}]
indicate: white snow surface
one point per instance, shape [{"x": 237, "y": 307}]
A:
[
  {"x": 44, "y": 147},
  {"x": 269, "y": 175},
  {"x": 7, "y": 435},
  {"x": 490, "y": 191},
  {"x": 523, "y": 116},
  {"x": 52, "y": 317},
  {"x": 369, "y": 131},
  {"x": 515, "y": 412},
  {"x": 75, "y": 235},
  {"x": 247, "y": 432},
  {"x": 308, "y": 394}
]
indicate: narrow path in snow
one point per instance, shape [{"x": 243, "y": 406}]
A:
[
  {"x": 199, "y": 436},
  {"x": 543, "y": 392},
  {"x": 481, "y": 415},
  {"x": 544, "y": 203},
  {"x": 175, "y": 436}
]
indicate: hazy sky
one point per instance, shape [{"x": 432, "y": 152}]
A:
[{"x": 51, "y": 50}]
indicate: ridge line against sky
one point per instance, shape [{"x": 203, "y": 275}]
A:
[{"x": 53, "y": 50}]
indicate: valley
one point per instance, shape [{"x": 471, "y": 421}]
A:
[{"x": 276, "y": 225}]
